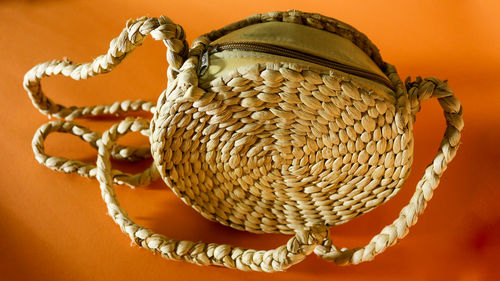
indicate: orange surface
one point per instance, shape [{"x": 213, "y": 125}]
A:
[{"x": 55, "y": 227}]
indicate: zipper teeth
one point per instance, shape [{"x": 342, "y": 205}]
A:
[{"x": 281, "y": 51}]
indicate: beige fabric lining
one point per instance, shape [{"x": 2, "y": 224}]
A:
[{"x": 306, "y": 39}]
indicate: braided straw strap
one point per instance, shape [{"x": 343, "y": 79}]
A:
[
  {"x": 118, "y": 152},
  {"x": 297, "y": 248},
  {"x": 133, "y": 35},
  {"x": 418, "y": 91}
]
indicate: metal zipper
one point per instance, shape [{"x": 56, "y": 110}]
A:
[{"x": 289, "y": 53}]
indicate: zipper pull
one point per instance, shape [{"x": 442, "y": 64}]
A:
[{"x": 204, "y": 61}]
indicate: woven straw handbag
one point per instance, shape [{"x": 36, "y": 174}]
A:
[{"x": 284, "y": 122}]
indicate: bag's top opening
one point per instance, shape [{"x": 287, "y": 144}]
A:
[
  {"x": 296, "y": 37},
  {"x": 305, "y": 39}
]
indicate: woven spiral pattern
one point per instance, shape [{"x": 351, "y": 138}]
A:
[
  {"x": 278, "y": 147},
  {"x": 280, "y": 258},
  {"x": 275, "y": 150}
]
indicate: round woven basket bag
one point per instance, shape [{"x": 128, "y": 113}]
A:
[{"x": 285, "y": 122}]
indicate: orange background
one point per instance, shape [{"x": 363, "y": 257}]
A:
[{"x": 54, "y": 226}]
